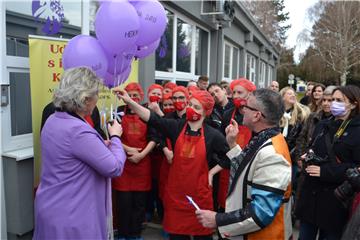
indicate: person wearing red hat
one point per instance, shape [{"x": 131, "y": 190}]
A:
[
  {"x": 192, "y": 89},
  {"x": 155, "y": 93},
  {"x": 168, "y": 106},
  {"x": 194, "y": 144},
  {"x": 132, "y": 187},
  {"x": 169, "y": 87},
  {"x": 241, "y": 88},
  {"x": 180, "y": 98}
]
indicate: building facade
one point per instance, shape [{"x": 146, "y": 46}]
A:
[{"x": 201, "y": 38}]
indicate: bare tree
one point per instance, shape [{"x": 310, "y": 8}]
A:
[{"x": 336, "y": 35}]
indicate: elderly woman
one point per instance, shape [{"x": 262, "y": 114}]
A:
[{"x": 73, "y": 199}]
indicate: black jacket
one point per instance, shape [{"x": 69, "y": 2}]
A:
[
  {"x": 216, "y": 117},
  {"x": 317, "y": 203}
]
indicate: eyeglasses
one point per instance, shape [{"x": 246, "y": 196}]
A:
[
  {"x": 178, "y": 98},
  {"x": 254, "y": 109}
]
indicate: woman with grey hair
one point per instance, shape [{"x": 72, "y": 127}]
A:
[{"x": 73, "y": 200}]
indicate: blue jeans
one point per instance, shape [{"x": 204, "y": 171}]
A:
[{"x": 309, "y": 231}]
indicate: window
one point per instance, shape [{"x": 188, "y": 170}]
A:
[
  {"x": 231, "y": 62},
  {"x": 262, "y": 77},
  {"x": 250, "y": 67},
  {"x": 235, "y": 68},
  {"x": 270, "y": 73},
  {"x": 20, "y": 23},
  {"x": 201, "y": 52},
  {"x": 227, "y": 60},
  {"x": 164, "y": 53},
  {"x": 20, "y": 107},
  {"x": 183, "y": 46},
  {"x": 183, "y": 53},
  {"x": 16, "y": 116}
]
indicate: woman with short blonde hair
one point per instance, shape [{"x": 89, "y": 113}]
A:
[{"x": 73, "y": 200}]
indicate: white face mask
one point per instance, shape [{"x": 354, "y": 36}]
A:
[{"x": 338, "y": 109}]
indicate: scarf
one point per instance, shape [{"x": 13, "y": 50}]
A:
[
  {"x": 238, "y": 164},
  {"x": 287, "y": 116}
]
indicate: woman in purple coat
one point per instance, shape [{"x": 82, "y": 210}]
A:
[{"x": 73, "y": 200}]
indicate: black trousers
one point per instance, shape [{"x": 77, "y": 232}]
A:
[
  {"x": 154, "y": 201},
  {"x": 187, "y": 237},
  {"x": 130, "y": 212}
]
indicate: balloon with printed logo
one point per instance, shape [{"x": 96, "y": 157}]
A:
[
  {"x": 84, "y": 50},
  {"x": 116, "y": 26},
  {"x": 145, "y": 51},
  {"x": 153, "y": 20},
  {"x": 119, "y": 63}
]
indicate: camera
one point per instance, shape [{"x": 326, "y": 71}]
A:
[
  {"x": 312, "y": 159},
  {"x": 347, "y": 189}
]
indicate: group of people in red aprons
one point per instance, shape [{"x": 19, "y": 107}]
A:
[{"x": 171, "y": 149}]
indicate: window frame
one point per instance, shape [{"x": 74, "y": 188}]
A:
[
  {"x": 232, "y": 47},
  {"x": 251, "y": 70},
  {"x": 262, "y": 73},
  {"x": 179, "y": 75}
]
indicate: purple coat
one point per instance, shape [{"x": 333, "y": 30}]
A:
[{"x": 72, "y": 200}]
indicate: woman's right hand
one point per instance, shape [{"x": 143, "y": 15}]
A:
[
  {"x": 115, "y": 129},
  {"x": 122, "y": 95}
]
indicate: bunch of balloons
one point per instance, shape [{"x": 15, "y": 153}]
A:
[{"x": 125, "y": 29}]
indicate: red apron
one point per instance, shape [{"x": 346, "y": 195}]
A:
[
  {"x": 188, "y": 175},
  {"x": 164, "y": 171},
  {"x": 243, "y": 138},
  {"x": 135, "y": 177}
]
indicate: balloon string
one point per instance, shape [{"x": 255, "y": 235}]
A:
[{"x": 115, "y": 81}]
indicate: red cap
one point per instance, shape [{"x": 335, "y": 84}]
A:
[
  {"x": 193, "y": 88},
  {"x": 135, "y": 87},
  {"x": 206, "y": 100},
  {"x": 167, "y": 96},
  {"x": 248, "y": 85},
  {"x": 170, "y": 85},
  {"x": 154, "y": 86},
  {"x": 181, "y": 89}
]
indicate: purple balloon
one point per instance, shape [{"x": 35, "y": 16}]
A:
[
  {"x": 116, "y": 26},
  {"x": 153, "y": 20},
  {"x": 143, "y": 52},
  {"x": 111, "y": 81},
  {"x": 125, "y": 75},
  {"x": 84, "y": 50},
  {"x": 119, "y": 63}
]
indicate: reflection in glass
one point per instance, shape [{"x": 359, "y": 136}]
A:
[
  {"x": 164, "y": 54},
  {"x": 183, "y": 48},
  {"x": 20, "y": 103},
  {"x": 56, "y": 18},
  {"x": 227, "y": 62},
  {"x": 201, "y": 52}
]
